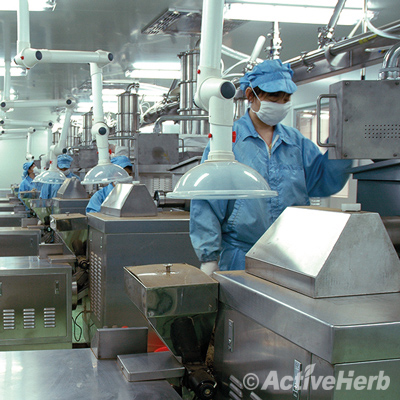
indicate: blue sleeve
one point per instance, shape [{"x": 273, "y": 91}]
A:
[
  {"x": 95, "y": 202},
  {"x": 45, "y": 192},
  {"x": 22, "y": 188},
  {"x": 324, "y": 177},
  {"x": 206, "y": 218},
  {"x": 54, "y": 190},
  {"x": 70, "y": 175}
]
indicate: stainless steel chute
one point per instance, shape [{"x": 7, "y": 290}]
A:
[
  {"x": 327, "y": 253},
  {"x": 319, "y": 299},
  {"x": 129, "y": 200}
]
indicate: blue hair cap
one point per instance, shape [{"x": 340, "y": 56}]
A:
[
  {"x": 64, "y": 161},
  {"x": 122, "y": 161},
  {"x": 26, "y": 166},
  {"x": 270, "y": 76}
]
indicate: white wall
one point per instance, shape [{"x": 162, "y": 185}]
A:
[
  {"x": 13, "y": 156},
  {"x": 12, "y": 151}
]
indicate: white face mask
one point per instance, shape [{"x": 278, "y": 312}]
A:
[
  {"x": 272, "y": 113},
  {"x": 66, "y": 172},
  {"x": 36, "y": 170}
]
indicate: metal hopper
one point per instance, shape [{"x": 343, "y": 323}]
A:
[
  {"x": 180, "y": 301},
  {"x": 71, "y": 197},
  {"x": 129, "y": 200},
  {"x": 326, "y": 253}
]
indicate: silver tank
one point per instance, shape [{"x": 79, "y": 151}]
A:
[
  {"x": 128, "y": 117},
  {"x": 87, "y": 129},
  {"x": 188, "y": 84}
]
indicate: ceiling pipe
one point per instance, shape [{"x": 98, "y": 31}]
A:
[
  {"x": 23, "y": 40},
  {"x": 220, "y": 176},
  {"x": 28, "y": 57},
  {"x": 327, "y": 33},
  {"x": 36, "y": 124},
  {"x": 28, "y": 155},
  {"x": 7, "y": 60},
  {"x": 6, "y": 105},
  {"x": 304, "y": 66},
  {"x": 390, "y": 65}
]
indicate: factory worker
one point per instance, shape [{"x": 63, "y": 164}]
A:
[
  {"x": 64, "y": 162},
  {"x": 223, "y": 231},
  {"x": 28, "y": 175},
  {"x": 98, "y": 198}
]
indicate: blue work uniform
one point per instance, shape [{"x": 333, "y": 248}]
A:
[
  {"x": 98, "y": 198},
  {"x": 293, "y": 166},
  {"x": 26, "y": 185},
  {"x": 49, "y": 190}
]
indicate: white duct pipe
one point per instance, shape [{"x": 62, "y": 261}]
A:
[
  {"x": 28, "y": 124},
  {"x": 99, "y": 129},
  {"x": 3, "y": 137},
  {"x": 23, "y": 41},
  {"x": 46, "y": 158},
  {"x": 6, "y": 105},
  {"x": 58, "y": 148},
  {"x": 28, "y": 57},
  {"x": 29, "y": 156},
  {"x": 213, "y": 93},
  {"x": 257, "y": 49},
  {"x": 7, "y": 80},
  {"x": 14, "y": 131},
  {"x": 7, "y": 60},
  {"x": 236, "y": 54}
]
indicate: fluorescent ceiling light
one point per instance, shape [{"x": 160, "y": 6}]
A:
[
  {"x": 172, "y": 66},
  {"x": 14, "y": 71},
  {"x": 153, "y": 74},
  {"x": 155, "y": 70},
  {"x": 290, "y": 11},
  {"x": 34, "y": 5}
]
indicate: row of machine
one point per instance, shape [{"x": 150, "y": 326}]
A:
[
  {"x": 318, "y": 301},
  {"x": 315, "y": 315}
]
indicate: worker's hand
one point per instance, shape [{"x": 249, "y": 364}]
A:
[{"x": 209, "y": 267}]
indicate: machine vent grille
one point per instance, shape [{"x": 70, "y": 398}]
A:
[
  {"x": 382, "y": 131},
  {"x": 236, "y": 387},
  {"x": 49, "y": 317},
  {"x": 8, "y": 319},
  {"x": 95, "y": 285},
  {"x": 29, "y": 318}
]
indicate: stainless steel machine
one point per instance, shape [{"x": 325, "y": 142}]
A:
[
  {"x": 316, "y": 313},
  {"x": 72, "y": 374},
  {"x": 360, "y": 127},
  {"x": 12, "y": 219},
  {"x": 180, "y": 302},
  {"x": 35, "y": 304},
  {"x": 122, "y": 239},
  {"x": 71, "y": 197},
  {"x": 16, "y": 241}
]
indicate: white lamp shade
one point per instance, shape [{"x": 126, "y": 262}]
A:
[
  {"x": 214, "y": 180},
  {"x": 106, "y": 173},
  {"x": 51, "y": 177}
]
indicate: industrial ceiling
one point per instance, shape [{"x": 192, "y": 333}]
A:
[{"x": 116, "y": 26}]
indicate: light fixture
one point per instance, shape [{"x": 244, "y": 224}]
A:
[
  {"x": 221, "y": 180},
  {"x": 153, "y": 74},
  {"x": 15, "y": 71},
  {"x": 34, "y": 5},
  {"x": 52, "y": 176},
  {"x": 154, "y": 70},
  {"x": 104, "y": 174},
  {"x": 220, "y": 176},
  {"x": 292, "y": 11}
]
